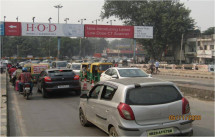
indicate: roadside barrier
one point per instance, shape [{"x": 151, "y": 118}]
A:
[
  {"x": 92, "y": 85},
  {"x": 84, "y": 85},
  {"x": 204, "y": 68}
]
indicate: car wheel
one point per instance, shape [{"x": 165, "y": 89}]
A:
[
  {"x": 44, "y": 93},
  {"x": 83, "y": 120},
  {"x": 112, "y": 132}
]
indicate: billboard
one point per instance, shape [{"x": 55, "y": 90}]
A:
[
  {"x": 2, "y": 28},
  {"x": 145, "y": 32},
  {"x": 107, "y": 31},
  {"x": 12, "y": 28},
  {"x": 50, "y": 29}
]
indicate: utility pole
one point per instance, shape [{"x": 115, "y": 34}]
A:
[
  {"x": 58, "y": 49},
  {"x": 81, "y": 20},
  {"x": 182, "y": 37}
]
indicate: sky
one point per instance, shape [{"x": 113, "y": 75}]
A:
[{"x": 201, "y": 10}]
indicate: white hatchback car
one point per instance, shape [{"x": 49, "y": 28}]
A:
[
  {"x": 75, "y": 67},
  {"x": 121, "y": 73},
  {"x": 136, "y": 107}
]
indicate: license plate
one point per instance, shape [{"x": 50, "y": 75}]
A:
[
  {"x": 63, "y": 86},
  {"x": 157, "y": 132},
  {"x": 27, "y": 88}
]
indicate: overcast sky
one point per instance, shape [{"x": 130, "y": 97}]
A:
[{"x": 201, "y": 10}]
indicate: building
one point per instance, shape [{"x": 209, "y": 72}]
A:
[{"x": 200, "y": 50}]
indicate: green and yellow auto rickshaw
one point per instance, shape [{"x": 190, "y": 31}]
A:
[
  {"x": 35, "y": 69},
  {"x": 96, "y": 69},
  {"x": 85, "y": 71}
]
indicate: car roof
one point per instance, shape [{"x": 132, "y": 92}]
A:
[
  {"x": 57, "y": 69},
  {"x": 76, "y": 63},
  {"x": 124, "y": 68},
  {"x": 138, "y": 80},
  {"x": 59, "y": 61}
]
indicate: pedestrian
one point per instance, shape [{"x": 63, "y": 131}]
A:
[
  {"x": 157, "y": 66},
  {"x": 152, "y": 67}
]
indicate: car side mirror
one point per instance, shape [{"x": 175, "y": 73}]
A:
[
  {"x": 115, "y": 76},
  {"x": 84, "y": 96}
]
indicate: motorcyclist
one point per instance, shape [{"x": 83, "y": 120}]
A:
[
  {"x": 11, "y": 71},
  {"x": 16, "y": 74},
  {"x": 25, "y": 77}
]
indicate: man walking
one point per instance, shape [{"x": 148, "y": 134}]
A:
[{"x": 157, "y": 66}]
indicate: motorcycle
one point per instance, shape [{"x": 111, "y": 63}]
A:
[{"x": 26, "y": 90}]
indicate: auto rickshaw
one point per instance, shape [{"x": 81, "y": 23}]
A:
[
  {"x": 96, "y": 69},
  {"x": 36, "y": 69},
  {"x": 85, "y": 70}
]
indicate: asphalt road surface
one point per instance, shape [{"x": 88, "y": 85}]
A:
[{"x": 58, "y": 116}]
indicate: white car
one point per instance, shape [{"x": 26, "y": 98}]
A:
[
  {"x": 121, "y": 73},
  {"x": 75, "y": 67}
]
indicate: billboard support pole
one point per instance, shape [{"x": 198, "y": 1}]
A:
[{"x": 134, "y": 50}]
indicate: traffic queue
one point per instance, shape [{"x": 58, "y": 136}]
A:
[{"x": 123, "y": 102}]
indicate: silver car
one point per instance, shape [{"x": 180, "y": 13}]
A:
[{"x": 136, "y": 107}]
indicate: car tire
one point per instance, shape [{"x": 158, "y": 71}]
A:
[
  {"x": 44, "y": 93},
  {"x": 112, "y": 132},
  {"x": 84, "y": 122}
]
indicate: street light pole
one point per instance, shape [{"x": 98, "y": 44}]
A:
[
  {"x": 66, "y": 20},
  {"x": 4, "y": 18},
  {"x": 81, "y": 20},
  {"x": 111, "y": 21},
  {"x": 49, "y": 20},
  {"x": 58, "y": 53},
  {"x": 17, "y": 18},
  {"x": 33, "y": 19},
  {"x": 95, "y": 21}
]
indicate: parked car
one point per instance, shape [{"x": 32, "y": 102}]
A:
[
  {"x": 136, "y": 107},
  {"x": 121, "y": 73},
  {"x": 75, "y": 67},
  {"x": 59, "y": 64},
  {"x": 58, "y": 80}
]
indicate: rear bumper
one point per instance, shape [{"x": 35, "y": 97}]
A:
[{"x": 180, "y": 129}]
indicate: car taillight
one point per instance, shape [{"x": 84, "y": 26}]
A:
[
  {"x": 76, "y": 77},
  {"x": 125, "y": 111},
  {"x": 27, "y": 85},
  {"x": 185, "y": 106},
  {"x": 47, "y": 79}
]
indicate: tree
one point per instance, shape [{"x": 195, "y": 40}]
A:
[
  {"x": 169, "y": 20},
  {"x": 209, "y": 31}
]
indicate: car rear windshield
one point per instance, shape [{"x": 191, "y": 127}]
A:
[
  {"x": 61, "y": 73},
  {"x": 152, "y": 95},
  {"x": 104, "y": 67},
  {"x": 132, "y": 73},
  {"x": 76, "y": 66},
  {"x": 61, "y": 64}
]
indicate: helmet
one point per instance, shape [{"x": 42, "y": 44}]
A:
[{"x": 24, "y": 70}]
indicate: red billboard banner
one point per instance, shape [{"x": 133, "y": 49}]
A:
[
  {"x": 109, "y": 31},
  {"x": 12, "y": 28}
]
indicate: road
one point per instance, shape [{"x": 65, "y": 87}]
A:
[
  {"x": 58, "y": 116},
  {"x": 207, "y": 84}
]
